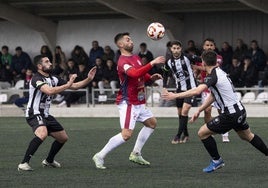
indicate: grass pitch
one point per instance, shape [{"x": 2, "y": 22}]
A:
[{"x": 171, "y": 165}]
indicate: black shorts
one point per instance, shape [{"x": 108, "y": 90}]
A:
[
  {"x": 225, "y": 122},
  {"x": 50, "y": 122},
  {"x": 188, "y": 100}
]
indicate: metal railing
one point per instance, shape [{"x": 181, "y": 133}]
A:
[{"x": 149, "y": 93}]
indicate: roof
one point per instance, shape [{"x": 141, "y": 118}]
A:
[{"x": 56, "y": 10}]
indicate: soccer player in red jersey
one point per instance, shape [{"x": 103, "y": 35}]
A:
[{"x": 131, "y": 101}]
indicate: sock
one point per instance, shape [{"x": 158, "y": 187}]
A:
[
  {"x": 259, "y": 144},
  {"x": 211, "y": 147},
  {"x": 55, "y": 148},
  {"x": 143, "y": 136},
  {"x": 180, "y": 129},
  {"x": 184, "y": 123},
  {"x": 114, "y": 142},
  {"x": 33, "y": 146}
]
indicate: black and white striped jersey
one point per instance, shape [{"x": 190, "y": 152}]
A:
[
  {"x": 182, "y": 72},
  {"x": 222, "y": 88},
  {"x": 39, "y": 102}
]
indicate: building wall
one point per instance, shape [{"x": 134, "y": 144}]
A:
[{"x": 222, "y": 26}]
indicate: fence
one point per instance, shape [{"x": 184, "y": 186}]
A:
[{"x": 153, "y": 95}]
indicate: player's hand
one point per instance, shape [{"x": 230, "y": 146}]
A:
[
  {"x": 168, "y": 95},
  {"x": 194, "y": 117},
  {"x": 92, "y": 73},
  {"x": 71, "y": 79},
  {"x": 156, "y": 76},
  {"x": 158, "y": 60}
]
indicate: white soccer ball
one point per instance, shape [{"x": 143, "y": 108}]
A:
[{"x": 156, "y": 31}]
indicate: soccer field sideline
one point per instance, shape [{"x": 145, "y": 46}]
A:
[{"x": 103, "y": 110}]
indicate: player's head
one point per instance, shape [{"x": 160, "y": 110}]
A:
[
  {"x": 209, "y": 44},
  {"x": 209, "y": 58},
  {"x": 43, "y": 63},
  {"x": 123, "y": 41},
  {"x": 176, "y": 48}
]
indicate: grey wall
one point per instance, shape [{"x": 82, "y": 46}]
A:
[{"x": 227, "y": 26}]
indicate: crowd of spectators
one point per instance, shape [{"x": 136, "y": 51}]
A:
[{"x": 245, "y": 64}]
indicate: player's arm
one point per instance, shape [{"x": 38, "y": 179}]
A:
[
  {"x": 210, "y": 99},
  {"x": 189, "y": 93},
  {"x": 45, "y": 88},
  {"x": 83, "y": 83},
  {"x": 138, "y": 72}
]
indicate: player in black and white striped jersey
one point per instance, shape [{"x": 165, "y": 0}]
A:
[
  {"x": 232, "y": 112},
  {"x": 180, "y": 67},
  {"x": 41, "y": 88}
]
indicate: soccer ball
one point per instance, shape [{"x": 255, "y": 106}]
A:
[{"x": 156, "y": 31}]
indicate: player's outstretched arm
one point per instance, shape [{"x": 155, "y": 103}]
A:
[
  {"x": 84, "y": 82},
  {"x": 55, "y": 90},
  {"x": 189, "y": 93}
]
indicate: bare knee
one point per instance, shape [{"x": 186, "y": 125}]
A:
[
  {"x": 204, "y": 132},
  {"x": 126, "y": 134},
  {"x": 151, "y": 122},
  {"x": 41, "y": 132},
  {"x": 63, "y": 139}
]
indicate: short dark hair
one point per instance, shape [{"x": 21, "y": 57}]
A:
[
  {"x": 209, "y": 57},
  {"x": 37, "y": 59},
  {"x": 175, "y": 42},
  {"x": 210, "y": 40},
  {"x": 143, "y": 44},
  {"x": 120, "y": 36},
  {"x": 5, "y": 47},
  {"x": 18, "y": 48}
]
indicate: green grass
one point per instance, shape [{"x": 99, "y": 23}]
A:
[{"x": 171, "y": 165}]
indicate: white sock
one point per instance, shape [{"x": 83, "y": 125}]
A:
[
  {"x": 114, "y": 142},
  {"x": 143, "y": 136},
  {"x": 225, "y": 134}
]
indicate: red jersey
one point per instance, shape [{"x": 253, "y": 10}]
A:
[{"x": 132, "y": 88}]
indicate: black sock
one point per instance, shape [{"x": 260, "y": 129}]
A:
[
  {"x": 33, "y": 146},
  {"x": 211, "y": 147},
  {"x": 55, "y": 148},
  {"x": 180, "y": 129},
  {"x": 184, "y": 123},
  {"x": 259, "y": 144}
]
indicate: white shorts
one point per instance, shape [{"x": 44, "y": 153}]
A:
[{"x": 130, "y": 114}]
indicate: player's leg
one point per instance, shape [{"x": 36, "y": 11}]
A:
[
  {"x": 184, "y": 118},
  {"x": 146, "y": 117},
  {"x": 55, "y": 130},
  {"x": 127, "y": 123},
  {"x": 205, "y": 134},
  {"x": 41, "y": 133},
  {"x": 177, "y": 138},
  {"x": 254, "y": 139}
]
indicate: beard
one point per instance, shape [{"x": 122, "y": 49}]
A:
[
  {"x": 47, "y": 70},
  {"x": 129, "y": 48}
]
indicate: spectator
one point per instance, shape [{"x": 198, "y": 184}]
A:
[
  {"x": 263, "y": 81},
  {"x": 241, "y": 50},
  {"x": 59, "y": 64},
  {"x": 71, "y": 97},
  {"x": 71, "y": 69},
  {"x": 6, "y": 77},
  {"x": 110, "y": 77},
  {"x": 145, "y": 52},
  {"x": 191, "y": 45},
  {"x": 117, "y": 55},
  {"x": 235, "y": 72},
  {"x": 108, "y": 54},
  {"x": 249, "y": 74},
  {"x": 257, "y": 55},
  {"x": 227, "y": 54},
  {"x": 45, "y": 51},
  {"x": 20, "y": 102},
  {"x": 99, "y": 74},
  {"x": 95, "y": 51},
  {"x": 21, "y": 61},
  {"x": 79, "y": 55}
]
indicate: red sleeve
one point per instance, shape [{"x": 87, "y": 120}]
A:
[
  {"x": 147, "y": 77},
  {"x": 136, "y": 73}
]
